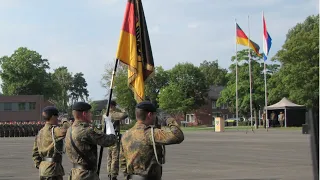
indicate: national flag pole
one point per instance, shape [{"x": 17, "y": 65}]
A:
[
  {"x": 107, "y": 113},
  {"x": 265, "y": 76},
  {"x": 236, "y": 49},
  {"x": 250, "y": 76}
]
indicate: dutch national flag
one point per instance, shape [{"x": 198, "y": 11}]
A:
[{"x": 266, "y": 40}]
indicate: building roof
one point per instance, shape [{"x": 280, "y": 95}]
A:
[
  {"x": 101, "y": 104},
  {"x": 214, "y": 91}
]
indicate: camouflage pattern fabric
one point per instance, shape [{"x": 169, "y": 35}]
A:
[
  {"x": 45, "y": 147},
  {"x": 137, "y": 154},
  {"x": 113, "y": 151},
  {"x": 86, "y": 140}
]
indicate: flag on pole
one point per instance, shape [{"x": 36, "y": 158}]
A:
[
  {"x": 267, "y": 41},
  {"x": 243, "y": 40},
  {"x": 134, "y": 48}
]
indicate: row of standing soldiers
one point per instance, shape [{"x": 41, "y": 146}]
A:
[{"x": 20, "y": 129}]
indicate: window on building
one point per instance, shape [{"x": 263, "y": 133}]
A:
[
  {"x": 214, "y": 104},
  {"x": 225, "y": 116},
  {"x": 32, "y": 105},
  {"x": 22, "y": 106},
  {"x": 190, "y": 118},
  {"x": 7, "y": 106}
]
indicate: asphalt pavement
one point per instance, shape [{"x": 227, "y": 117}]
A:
[{"x": 204, "y": 155}]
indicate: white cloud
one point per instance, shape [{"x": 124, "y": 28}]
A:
[{"x": 193, "y": 25}]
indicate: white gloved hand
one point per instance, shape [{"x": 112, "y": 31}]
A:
[{"x": 109, "y": 126}]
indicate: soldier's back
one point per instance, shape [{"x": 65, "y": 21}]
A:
[
  {"x": 84, "y": 155},
  {"x": 136, "y": 149},
  {"x": 49, "y": 146}
]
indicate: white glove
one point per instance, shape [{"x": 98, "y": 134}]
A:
[{"x": 109, "y": 126}]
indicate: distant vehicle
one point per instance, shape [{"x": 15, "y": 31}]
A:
[{"x": 235, "y": 119}]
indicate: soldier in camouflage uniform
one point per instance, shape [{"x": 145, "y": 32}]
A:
[
  {"x": 11, "y": 129},
  {"x": 113, "y": 151},
  {"x": 6, "y": 129},
  {"x": 81, "y": 143},
  {"x": 138, "y": 154},
  {"x": 48, "y": 147},
  {"x": 65, "y": 123},
  {"x": 1, "y": 129}
]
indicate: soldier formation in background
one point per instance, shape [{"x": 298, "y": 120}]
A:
[{"x": 20, "y": 129}]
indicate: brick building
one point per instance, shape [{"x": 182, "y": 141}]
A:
[
  {"x": 22, "y": 107},
  {"x": 205, "y": 115}
]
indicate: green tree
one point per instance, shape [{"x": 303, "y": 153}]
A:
[
  {"x": 63, "y": 78},
  {"x": 155, "y": 83},
  {"x": 228, "y": 95},
  {"x": 192, "y": 81},
  {"x": 25, "y": 73},
  {"x": 79, "y": 88},
  {"x": 214, "y": 74},
  {"x": 121, "y": 91},
  {"x": 173, "y": 100},
  {"x": 298, "y": 77}
]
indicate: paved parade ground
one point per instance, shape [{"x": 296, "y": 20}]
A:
[{"x": 204, "y": 155}]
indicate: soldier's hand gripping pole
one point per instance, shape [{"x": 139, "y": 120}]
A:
[{"x": 107, "y": 113}]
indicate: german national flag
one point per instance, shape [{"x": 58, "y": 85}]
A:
[
  {"x": 134, "y": 48},
  {"x": 243, "y": 40}
]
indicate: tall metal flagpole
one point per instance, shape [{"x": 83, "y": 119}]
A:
[
  {"x": 265, "y": 76},
  {"x": 250, "y": 76},
  {"x": 236, "y": 49}
]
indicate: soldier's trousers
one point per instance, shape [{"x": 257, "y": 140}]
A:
[
  {"x": 113, "y": 160},
  {"x": 51, "y": 178},
  {"x": 281, "y": 123}
]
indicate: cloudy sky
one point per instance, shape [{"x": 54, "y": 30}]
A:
[{"x": 83, "y": 34}]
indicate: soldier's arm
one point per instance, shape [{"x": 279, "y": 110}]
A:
[
  {"x": 60, "y": 133},
  {"x": 167, "y": 135},
  {"x": 122, "y": 162},
  {"x": 117, "y": 116},
  {"x": 100, "y": 139},
  {"x": 35, "y": 154}
]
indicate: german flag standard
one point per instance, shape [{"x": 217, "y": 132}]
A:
[
  {"x": 134, "y": 48},
  {"x": 243, "y": 40}
]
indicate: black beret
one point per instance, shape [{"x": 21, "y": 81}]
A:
[
  {"x": 81, "y": 106},
  {"x": 113, "y": 102},
  {"x": 51, "y": 111},
  {"x": 147, "y": 106}
]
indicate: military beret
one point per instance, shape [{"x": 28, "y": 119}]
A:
[
  {"x": 81, "y": 106},
  {"x": 51, "y": 111},
  {"x": 147, "y": 106},
  {"x": 113, "y": 102}
]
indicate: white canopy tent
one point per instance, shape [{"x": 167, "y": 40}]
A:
[{"x": 285, "y": 104}]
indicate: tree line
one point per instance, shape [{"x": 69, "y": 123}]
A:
[
  {"x": 293, "y": 73},
  {"x": 25, "y": 72}
]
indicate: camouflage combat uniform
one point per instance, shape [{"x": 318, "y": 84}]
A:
[
  {"x": 47, "y": 154},
  {"x": 65, "y": 123},
  {"x": 86, "y": 141},
  {"x": 137, "y": 154},
  {"x": 113, "y": 151}
]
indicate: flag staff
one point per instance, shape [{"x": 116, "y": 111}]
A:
[
  {"x": 265, "y": 74},
  {"x": 250, "y": 75},
  {"x": 236, "y": 49},
  {"x": 108, "y": 109}
]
